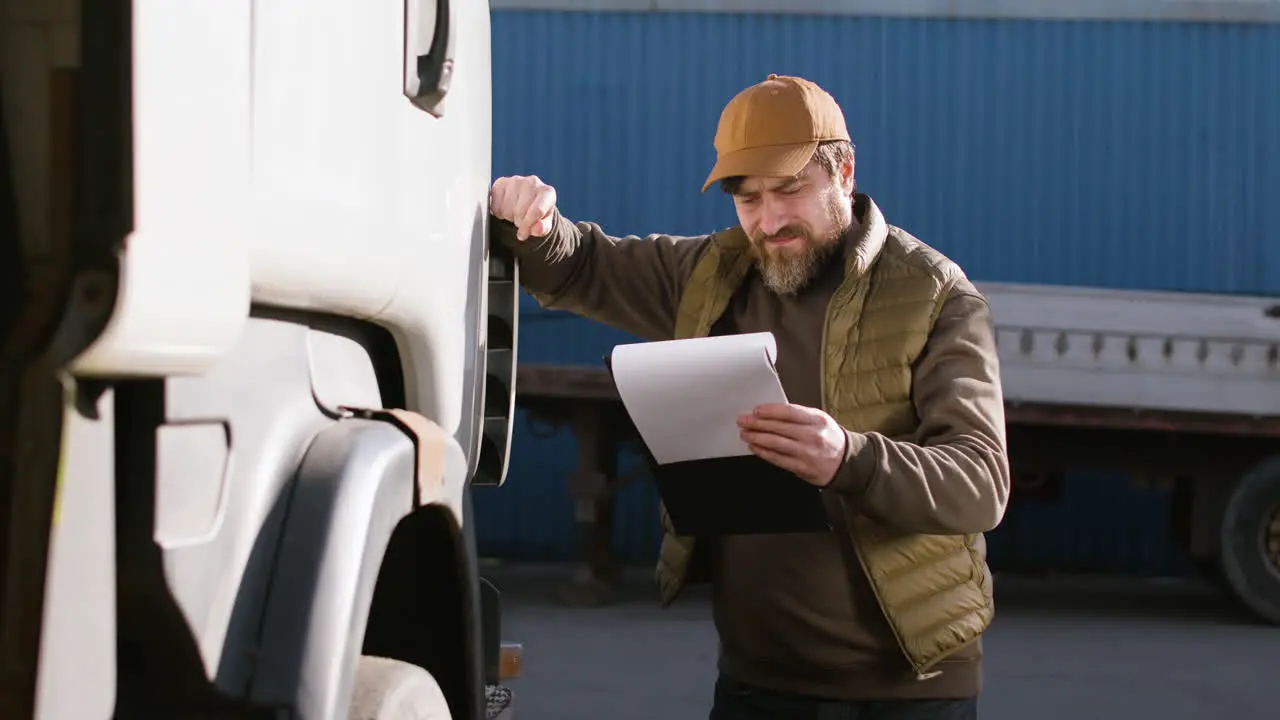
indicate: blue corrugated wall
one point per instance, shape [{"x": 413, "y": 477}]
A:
[
  {"x": 1117, "y": 154},
  {"x": 1138, "y": 155}
]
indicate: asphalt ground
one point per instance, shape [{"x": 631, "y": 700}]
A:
[{"x": 1060, "y": 649}]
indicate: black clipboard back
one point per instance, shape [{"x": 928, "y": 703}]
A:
[{"x": 741, "y": 495}]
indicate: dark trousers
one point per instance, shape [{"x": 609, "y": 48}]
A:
[{"x": 736, "y": 701}]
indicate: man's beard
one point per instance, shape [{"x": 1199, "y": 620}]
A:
[{"x": 786, "y": 272}]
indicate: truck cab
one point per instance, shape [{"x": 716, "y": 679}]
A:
[{"x": 257, "y": 352}]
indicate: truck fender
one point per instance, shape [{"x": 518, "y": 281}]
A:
[
  {"x": 431, "y": 445},
  {"x": 355, "y": 483}
]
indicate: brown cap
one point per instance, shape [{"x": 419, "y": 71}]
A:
[{"x": 773, "y": 128}]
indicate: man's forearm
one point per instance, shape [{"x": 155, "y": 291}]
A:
[
  {"x": 953, "y": 489},
  {"x": 953, "y": 476},
  {"x": 547, "y": 264},
  {"x": 631, "y": 283}
]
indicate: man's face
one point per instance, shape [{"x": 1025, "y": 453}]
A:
[{"x": 795, "y": 223}]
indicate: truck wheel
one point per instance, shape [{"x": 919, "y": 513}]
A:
[
  {"x": 1250, "y": 540},
  {"x": 393, "y": 690}
]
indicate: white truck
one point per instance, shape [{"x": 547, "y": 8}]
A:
[{"x": 256, "y": 351}]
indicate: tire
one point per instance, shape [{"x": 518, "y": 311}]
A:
[
  {"x": 388, "y": 689},
  {"x": 1252, "y": 570}
]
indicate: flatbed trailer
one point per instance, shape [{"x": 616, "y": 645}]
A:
[{"x": 1180, "y": 389}]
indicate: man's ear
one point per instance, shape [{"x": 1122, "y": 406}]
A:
[{"x": 846, "y": 178}]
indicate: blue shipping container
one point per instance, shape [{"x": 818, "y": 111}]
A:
[
  {"x": 1118, "y": 154},
  {"x": 1114, "y": 154}
]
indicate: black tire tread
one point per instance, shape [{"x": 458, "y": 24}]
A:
[{"x": 1246, "y": 568}]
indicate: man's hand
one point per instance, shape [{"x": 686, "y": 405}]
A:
[
  {"x": 526, "y": 202},
  {"x": 803, "y": 440}
]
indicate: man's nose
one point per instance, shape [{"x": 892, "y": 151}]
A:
[{"x": 771, "y": 218}]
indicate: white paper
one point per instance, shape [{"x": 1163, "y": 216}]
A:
[{"x": 685, "y": 396}]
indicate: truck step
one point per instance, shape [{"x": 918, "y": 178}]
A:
[{"x": 498, "y": 703}]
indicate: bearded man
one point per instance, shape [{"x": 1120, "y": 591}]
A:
[{"x": 887, "y": 352}]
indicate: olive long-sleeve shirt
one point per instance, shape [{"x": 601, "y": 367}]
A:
[{"x": 787, "y": 617}]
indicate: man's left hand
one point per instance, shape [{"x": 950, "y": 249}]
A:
[{"x": 803, "y": 440}]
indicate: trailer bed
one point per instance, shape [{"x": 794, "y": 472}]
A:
[{"x": 1200, "y": 354}]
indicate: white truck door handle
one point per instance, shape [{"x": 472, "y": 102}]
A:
[{"x": 428, "y": 53}]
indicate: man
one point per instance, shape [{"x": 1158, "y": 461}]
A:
[{"x": 888, "y": 354}]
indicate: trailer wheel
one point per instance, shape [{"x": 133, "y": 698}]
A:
[
  {"x": 388, "y": 689},
  {"x": 1250, "y": 541}
]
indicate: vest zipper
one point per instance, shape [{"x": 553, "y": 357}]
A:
[{"x": 921, "y": 670}]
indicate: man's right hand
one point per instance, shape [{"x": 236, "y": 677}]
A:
[{"x": 526, "y": 202}]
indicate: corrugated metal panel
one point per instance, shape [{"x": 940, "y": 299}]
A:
[
  {"x": 1101, "y": 524},
  {"x": 530, "y": 518},
  {"x": 1138, "y": 155},
  {"x": 561, "y": 338},
  {"x": 1118, "y": 154},
  {"x": 1252, "y": 11}
]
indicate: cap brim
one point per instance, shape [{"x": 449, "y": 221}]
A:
[{"x": 769, "y": 161}]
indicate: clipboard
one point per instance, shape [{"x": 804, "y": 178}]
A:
[{"x": 739, "y": 495}]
